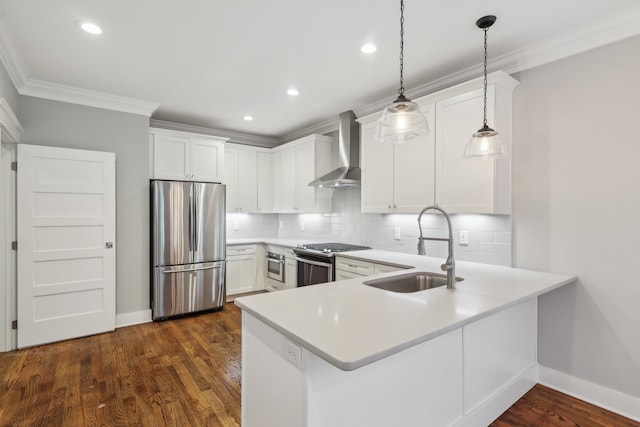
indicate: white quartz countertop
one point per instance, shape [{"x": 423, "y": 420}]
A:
[
  {"x": 350, "y": 324},
  {"x": 287, "y": 243}
]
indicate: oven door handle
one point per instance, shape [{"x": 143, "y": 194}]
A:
[{"x": 308, "y": 261}]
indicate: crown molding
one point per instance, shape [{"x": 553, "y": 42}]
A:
[
  {"x": 10, "y": 124},
  {"x": 90, "y": 98},
  {"x": 234, "y": 137},
  {"x": 325, "y": 126}
]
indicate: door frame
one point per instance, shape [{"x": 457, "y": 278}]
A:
[{"x": 10, "y": 132}]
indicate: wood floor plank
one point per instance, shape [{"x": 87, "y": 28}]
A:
[{"x": 185, "y": 372}]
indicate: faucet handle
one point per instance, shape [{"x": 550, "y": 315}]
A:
[{"x": 446, "y": 267}]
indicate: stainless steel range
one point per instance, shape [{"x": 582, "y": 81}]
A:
[{"x": 316, "y": 262}]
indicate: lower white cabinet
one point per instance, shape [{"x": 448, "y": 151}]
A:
[
  {"x": 349, "y": 268},
  {"x": 242, "y": 268},
  {"x": 290, "y": 272}
]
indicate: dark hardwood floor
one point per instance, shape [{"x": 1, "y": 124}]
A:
[{"x": 183, "y": 372}]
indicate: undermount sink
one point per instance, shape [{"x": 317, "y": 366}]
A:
[{"x": 410, "y": 282}]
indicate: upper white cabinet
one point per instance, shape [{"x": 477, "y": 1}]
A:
[
  {"x": 185, "y": 156},
  {"x": 241, "y": 178},
  {"x": 397, "y": 178},
  {"x": 247, "y": 174},
  {"x": 264, "y": 172},
  {"x": 300, "y": 162},
  {"x": 404, "y": 178},
  {"x": 473, "y": 186}
]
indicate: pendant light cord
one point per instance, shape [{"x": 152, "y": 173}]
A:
[
  {"x": 485, "y": 77},
  {"x": 401, "y": 89}
]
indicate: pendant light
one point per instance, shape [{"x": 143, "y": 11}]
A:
[
  {"x": 484, "y": 143},
  {"x": 401, "y": 121}
]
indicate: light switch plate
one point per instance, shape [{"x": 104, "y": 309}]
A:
[
  {"x": 396, "y": 233},
  {"x": 463, "y": 237},
  {"x": 236, "y": 226}
]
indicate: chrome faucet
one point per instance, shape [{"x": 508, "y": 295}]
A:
[{"x": 450, "y": 264}]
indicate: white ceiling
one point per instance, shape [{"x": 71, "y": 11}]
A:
[{"x": 208, "y": 63}]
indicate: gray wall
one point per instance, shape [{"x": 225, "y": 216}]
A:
[
  {"x": 8, "y": 90},
  {"x": 73, "y": 126},
  {"x": 576, "y": 209}
]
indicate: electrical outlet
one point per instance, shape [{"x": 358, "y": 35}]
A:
[
  {"x": 280, "y": 225},
  {"x": 396, "y": 233},
  {"x": 301, "y": 226},
  {"x": 292, "y": 352},
  {"x": 236, "y": 226},
  {"x": 463, "y": 237}
]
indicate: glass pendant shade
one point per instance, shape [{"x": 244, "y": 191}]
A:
[
  {"x": 401, "y": 121},
  {"x": 485, "y": 145}
]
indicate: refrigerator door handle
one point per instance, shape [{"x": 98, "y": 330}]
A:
[
  {"x": 210, "y": 267},
  {"x": 196, "y": 231}
]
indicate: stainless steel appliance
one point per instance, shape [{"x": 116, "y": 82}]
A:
[
  {"x": 316, "y": 262},
  {"x": 275, "y": 266},
  {"x": 188, "y": 245}
]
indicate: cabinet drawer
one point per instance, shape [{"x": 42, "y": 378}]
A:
[
  {"x": 241, "y": 250},
  {"x": 344, "y": 275},
  {"x": 385, "y": 268},
  {"x": 363, "y": 268}
]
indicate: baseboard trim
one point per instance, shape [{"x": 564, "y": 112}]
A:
[
  {"x": 133, "y": 318},
  {"x": 607, "y": 398},
  {"x": 501, "y": 400}
]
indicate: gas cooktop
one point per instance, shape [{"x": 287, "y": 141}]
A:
[{"x": 329, "y": 248}]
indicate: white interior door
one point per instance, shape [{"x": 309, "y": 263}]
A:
[{"x": 66, "y": 243}]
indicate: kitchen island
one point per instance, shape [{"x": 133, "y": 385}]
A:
[{"x": 347, "y": 354}]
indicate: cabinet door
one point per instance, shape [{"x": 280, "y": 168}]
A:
[
  {"x": 265, "y": 203},
  {"x": 276, "y": 182},
  {"x": 413, "y": 170},
  {"x": 289, "y": 180},
  {"x": 241, "y": 274},
  {"x": 290, "y": 273},
  {"x": 377, "y": 172},
  {"x": 463, "y": 186},
  {"x": 207, "y": 160},
  {"x": 171, "y": 157},
  {"x": 306, "y": 173},
  {"x": 231, "y": 179},
  {"x": 247, "y": 181}
]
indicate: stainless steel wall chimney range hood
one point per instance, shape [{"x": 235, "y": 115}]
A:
[{"x": 348, "y": 174}]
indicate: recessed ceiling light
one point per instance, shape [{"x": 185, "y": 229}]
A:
[
  {"x": 248, "y": 118},
  {"x": 368, "y": 48},
  {"x": 91, "y": 28},
  {"x": 293, "y": 92}
]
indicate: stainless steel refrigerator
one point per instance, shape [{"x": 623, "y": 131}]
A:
[{"x": 188, "y": 246}]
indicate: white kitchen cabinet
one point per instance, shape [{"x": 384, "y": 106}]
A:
[
  {"x": 386, "y": 268},
  {"x": 404, "y": 178},
  {"x": 473, "y": 186},
  {"x": 185, "y": 156},
  {"x": 397, "y": 178},
  {"x": 290, "y": 272},
  {"x": 264, "y": 185},
  {"x": 276, "y": 181},
  {"x": 241, "y": 178},
  {"x": 355, "y": 266},
  {"x": 301, "y": 162},
  {"x": 242, "y": 269}
]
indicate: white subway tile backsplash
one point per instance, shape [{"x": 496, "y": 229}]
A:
[{"x": 489, "y": 235}]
